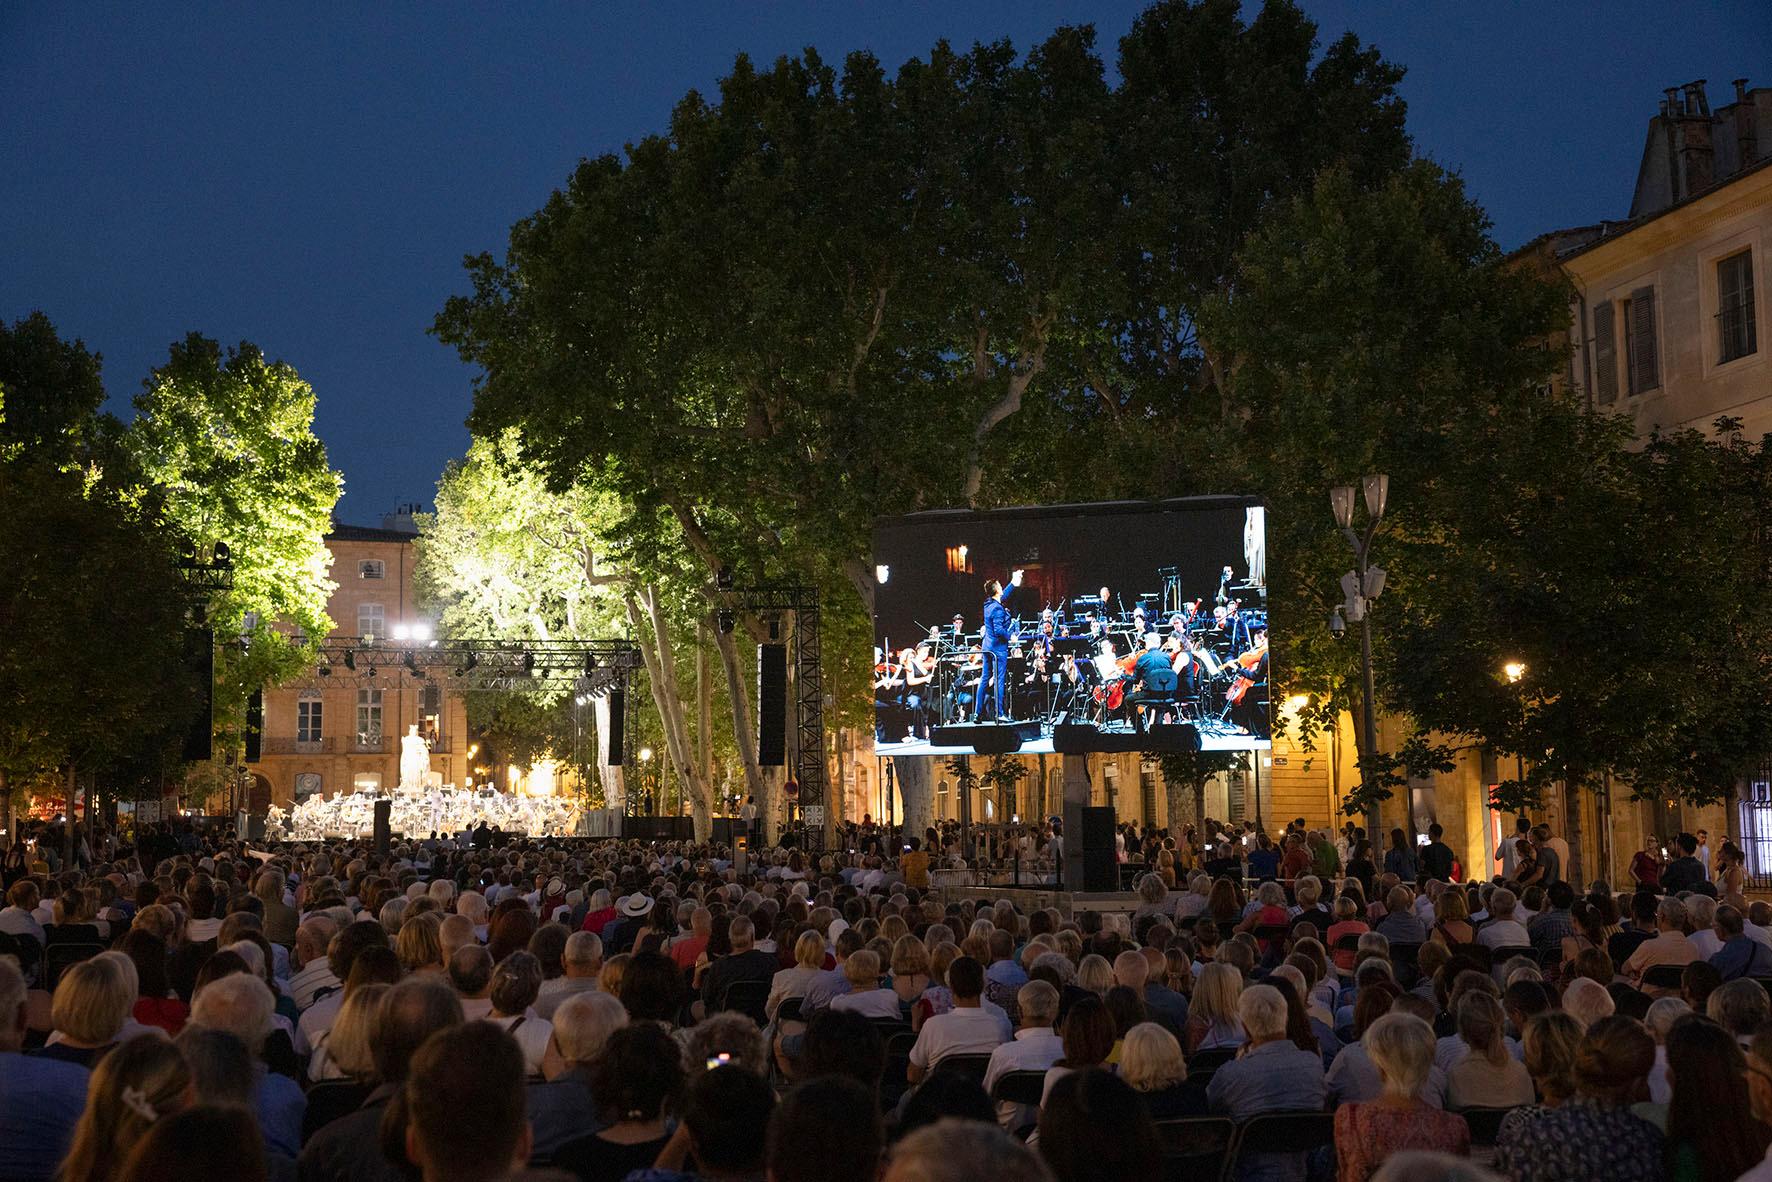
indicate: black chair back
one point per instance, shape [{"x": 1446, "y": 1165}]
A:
[
  {"x": 1201, "y": 1064},
  {"x": 328, "y": 1100},
  {"x": 972, "y": 1066},
  {"x": 789, "y": 1010},
  {"x": 1664, "y": 976},
  {"x": 58, "y": 958},
  {"x": 1195, "y": 1147},
  {"x": 748, "y": 998},
  {"x": 1281, "y": 1132},
  {"x": 1020, "y": 1087}
]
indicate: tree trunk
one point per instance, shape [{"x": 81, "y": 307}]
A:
[
  {"x": 1175, "y": 799},
  {"x": 916, "y": 789},
  {"x": 661, "y": 672},
  {"x": 704, "y": 703},
  {"x": 745, "y": 733},
  {"x": 1572, "y": 789},
  {"x": 68, "y": 823}
]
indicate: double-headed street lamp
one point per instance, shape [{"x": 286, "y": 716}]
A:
[{"x": 1360, "y": 587}]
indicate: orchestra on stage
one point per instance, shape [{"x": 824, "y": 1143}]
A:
[{"x": 1120, "y": 664}]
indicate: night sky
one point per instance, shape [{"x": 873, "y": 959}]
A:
[{"x": 310, "y": 182}]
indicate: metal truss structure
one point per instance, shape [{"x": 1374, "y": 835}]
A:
[
  {"x": 588, "y": 667},
  {"x": 809, "y": 761}
]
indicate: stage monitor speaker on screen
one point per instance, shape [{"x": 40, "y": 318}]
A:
[{"x": 1123, "y": 626}]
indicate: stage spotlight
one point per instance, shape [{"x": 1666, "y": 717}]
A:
[
  {"x": 370, "y": 672},
  {"x": 350, "y": 660},
  {"x": 590, "y": 662},
  {"x": 222, "y": 557},
  {"x": 727, "y": 621},
  {"x": 529, "y": 663},
  {"x": 326, "y": 671},
  {"x": 723, "y": 579}
]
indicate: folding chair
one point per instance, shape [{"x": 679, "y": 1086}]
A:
[
  {"x": 1195, "y": 1148},
  {"x": 748, "y": 998},
  {"x": 1281, "y": 1133},
  {"x": 1485, "y": 1123}
]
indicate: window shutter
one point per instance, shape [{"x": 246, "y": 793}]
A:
[
  {"x": 1645, "y": 360},
  {"x": 1605, "y": 355}
]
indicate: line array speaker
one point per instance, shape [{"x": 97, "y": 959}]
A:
[{"x": 772, "y": 704}]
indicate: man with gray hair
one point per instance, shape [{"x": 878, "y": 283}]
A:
[
  {"x": 580, "y": 963},
  {"x": 746, "y": 963},
  {"x": 955, "y": 1150},
  {"x": 1035, "y": 1047},
  {"x": 313, "y": 970},
  {"x": 1669, "y": 945},
  {"x": 241, "y": 1005},
  {"x": 1741, "y": 1008},
  {"x": 562, "y": 1108},
  {"x": 349, "y": 1149},
  {"x": 1273, "y": 1074}
]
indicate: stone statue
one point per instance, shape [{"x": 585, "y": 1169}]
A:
[{"x": 415, "y": 760}]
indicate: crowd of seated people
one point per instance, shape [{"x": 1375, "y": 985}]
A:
[{"x": 657, "y": 1012}]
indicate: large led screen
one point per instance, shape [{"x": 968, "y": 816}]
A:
[{"x": 1106, "y": 627}]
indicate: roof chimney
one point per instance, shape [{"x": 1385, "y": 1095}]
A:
[{"x": 1740, "y": 85}]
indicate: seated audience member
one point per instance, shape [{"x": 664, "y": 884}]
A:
[
  {"x": 349, "y": 1149},
  {"x": 1596, "y": 1135},
  {"x": 728, "y": 1039},
  {"x": 867, "y": 996},
  {"x": 345, "y": 1054},
  {"x": 241, "y": 1005},
  {"x": 313, "y": 976},
  {"x": 1741, "y": 1008},
  {"x": 1587, "y": 1001},
  {"x": 1093, "y": 1127},
  {"x": 793, "y": 982},
  {"x": 957, "y": 1151},
  {"x": 134, "y": 1086},
  {"x": 1402, "y": 1048},
  {"x": 464, "y": 1106},
  {"x": 746, "y": 962},
  {"x": 724, "y": 1130},
  {"x": 1088, "y": 1035},
  {"x": 1670, "y": 945},
  {"x": 845, "y": 1045},
  {"x": 1488, "y": 1076},
  {"x": 1036, "y": 1047},
  {"x": 1353, "y": 1077},
  {"x": 90, "y": 1008},
  {"x": 1503, "y": 930},
  {"x": 1212, "y": 1022},
  {"x": 516, "y": 983},
  {"x": 155, "y": 1004},
  {"x": 580, "y": 964},
  {"x": 638, "y": 1075},
  {"x": 827, "y": 1129},
  {"x": 203, "y": 1141},
  {"x": 967, "y": 1029},
  {"x": 1738, "y": 954},
  {"x": 562, "y": 1108},
  {"x": 1711, "y": 1128},
  {"x": 1272, "y": 1074},
  {"x": 1400, "y": 924},
  {"x": 470, "y": 974},
  {"x": 341, "y": 956},
  {"x": 1759, "y": 1089},
  {"x": 40, "y": 1098},
  {"x": 1153, "y": 1066}
]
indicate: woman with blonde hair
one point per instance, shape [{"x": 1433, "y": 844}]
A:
[
  {"x": 1212, "y": 1022},
  {"x": 1452, "y": 919},
  {"x": 910, "y": 969},
  {"x": 345, "y": 1051},
  {"x": 614, "y": 968},
  {"x": 418, "y": 946},
  {"x": 1095, "y": 974},
  {"x": 1151, "y": 1062},
  {"x": 90, "y": 1008},
  {"x": 134, "y": 1086},
  {"x": 1401, "y": 1046},
  {"x": 795, "y": 981}
]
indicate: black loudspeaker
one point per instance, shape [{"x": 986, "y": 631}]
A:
[
  {"x": 1101, "y": 868},
  {"x": 772, "y": 704},
  {"x": 1101, "y": 871},
  {"x": 1098, "y": 828},
  {"x": 200, "y": 660},
  {"x": 383, "y": 810},
  {"x": 618, "y": 714},
  {"x": 255, "y": 725}
]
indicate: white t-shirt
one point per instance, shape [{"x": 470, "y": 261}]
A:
[
  {"x": 963, "y": 1030},
  {"x": 874, "y": 1003},
  {"x": 532, "y": 1032},
  {"x": 1503, "y": 933}
]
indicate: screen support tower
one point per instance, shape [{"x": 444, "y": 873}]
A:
[{"x": 809, "y": 765}]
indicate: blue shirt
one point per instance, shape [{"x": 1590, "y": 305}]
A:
[
  {"x": 1742, "y": 956},
  {"x": 1006, "y": 972},
  {"x": 280, "y": 1105},
  {"x": 1274, "y": 1077},
  {"x": 1166, "y": 1006},
  {"x": 40, "y": 1102}
]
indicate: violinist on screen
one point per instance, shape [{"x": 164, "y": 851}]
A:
[{"x": 994, "y": 640}]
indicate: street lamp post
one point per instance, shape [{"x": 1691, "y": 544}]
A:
[
  {"x": 1514, "y": 671},
  {"x": 1361, "y": 586}
]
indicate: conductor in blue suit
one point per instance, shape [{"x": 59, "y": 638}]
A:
[{"x": 995, "y": 643}]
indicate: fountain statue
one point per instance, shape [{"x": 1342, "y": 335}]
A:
[{"x": 415, "y": 760}]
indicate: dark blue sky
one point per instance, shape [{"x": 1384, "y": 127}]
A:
[{"x": 310, "y": 178}]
